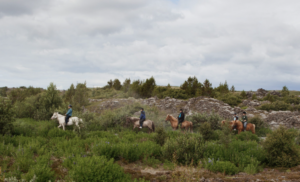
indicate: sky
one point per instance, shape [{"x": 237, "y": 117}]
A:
[{"x": 250, "y": 44}]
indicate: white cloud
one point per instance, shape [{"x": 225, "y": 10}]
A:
[{"x": 250, "y": 44}]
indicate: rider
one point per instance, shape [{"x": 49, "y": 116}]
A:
[
  {"x": 142, "y": 117},
  {"x": 235, "y": 118},
  {"x": 180, "y": 117},
  {"x": 69, "y": 113},
  {"x": 244, "y": 120}
]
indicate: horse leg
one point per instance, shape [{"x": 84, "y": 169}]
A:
[
  {"x": 64, "y": 127},
  {"x": 59, "y": 126}
]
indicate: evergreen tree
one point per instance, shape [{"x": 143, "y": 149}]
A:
[
  {"x": 191, "y": 86},
  {"x": 126, "y": 85},
  {"x": 232, "y": 89},
  {"x": 285, "y": 91},
  {"x": 135, "y": 88},
  {"x": 148, "y": 87},
  {"x": 70, "y": 93},
  {"x": 243, "y": 94},
  {"x": 117, "y": 84},
  {"x": 81, "y": 96},
  {"x": 223, "y": 88},
  {"x": 51, "y": 98},
  {"x": 207, "y": 89},
  {"x": 110, "y": 84}
]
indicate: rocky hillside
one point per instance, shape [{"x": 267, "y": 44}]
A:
[{"x": 204, "y": 105}]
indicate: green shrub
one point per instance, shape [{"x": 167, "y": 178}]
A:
[
  {"x": 7, "y": 117},
  {"x": 281, "y": 148},
  {"x": 129, "y": 151},
  {"x": 247, "y": 136},
  {"x": 221, "y": 166},
  {"x": 41, "y": 170},
  {"x": 95, "y": 168},
  {"x": 151, "y": 161},
  {"x": 275, "y": 106},
  {"x": 200, "y": 118},
  {"x": 160, "y": 136},
  {"x": 184, "y": 149},
  {"x": 231, "y": 99},
  {"x": 253, "y": 167},
  {"x": 261, "y": 127},
  {"x": 206, "y": 131},
  {"x": 243, "y": 94},
  {"x": 254, "y": 97},
  {"x": 269, "y": 97},
  {"x": 55, "y": 132}
]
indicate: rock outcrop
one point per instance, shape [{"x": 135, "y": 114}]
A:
[{"x": 204, "y": 105}]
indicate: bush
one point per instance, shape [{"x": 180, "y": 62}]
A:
[
  {"x": 7, "y": 117},
  {"x": 221, "y": 166},
  {"x": 160, "y": 136},
  {"x": 247, "y": 136},
  {"x": 206, "y": 131},
  {"x": 261, "y": 127},
  {"x": 275, "y": 106},
  {"x": 41, "y": 170},
  {"x": 281, "y": 148},
  {"x": 95, "y": 168},
  {"x": 252, "y": 168},
  {"x": 200, "y": 118},
  {"x": 184, "y": 149},
  {"x": 231, "y": 99},
  {"x": 243, "y": 94}
]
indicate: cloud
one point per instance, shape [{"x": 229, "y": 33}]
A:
[{"x": 250, "y": 44}]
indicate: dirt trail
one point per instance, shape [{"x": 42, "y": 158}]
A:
[{"x": 137, "y": 170}]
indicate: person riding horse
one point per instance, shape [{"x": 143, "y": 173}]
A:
[
  {"x": 180, "y": 117},
  {"x": 142, "y": 117},
  {"x": 69, "y": 113},
  {"x": 244, "y": 120},
  {"x": 235, "y": 118}
]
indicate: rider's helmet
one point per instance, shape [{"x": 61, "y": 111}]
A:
[
  {"x": 70, "y": 105},
  {"x": 244, "y": 112}
]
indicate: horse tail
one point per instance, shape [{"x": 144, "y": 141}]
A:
[
  {"x": 253, "y": 129},
  {"x": 153, "y": 127}
]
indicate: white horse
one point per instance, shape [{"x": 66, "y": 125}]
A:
[{"x": 61, "y": 120}]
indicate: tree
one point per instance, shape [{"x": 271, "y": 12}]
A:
[
  {"x": 147, "y": 87},
  {"x": 191, "y": 86},
  {"x": 110, "y": 83},
  {"x": 70, "y": 94},
  {"x": 285, "y": 91},
  {"x": 7, "y": 117},
  {"x": 126, "y": 85},
  {"x": 243, "y": 94},
  {"x": 135, "y": 88},
  {"x": 207, "y": 89},
  {"x": 222, "y": 88},
  {"x": 117, "y": 84},
  {"x": 81, "y": 96},
  {"x": 232, "y": 89},
  {"x": 254, "y": 97},
  {"x": 51, "y": 98}
]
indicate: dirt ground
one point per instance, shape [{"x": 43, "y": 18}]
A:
[{"x": 183, "y": 173}]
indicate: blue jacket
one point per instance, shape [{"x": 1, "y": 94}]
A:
[
  {"x": 143, "y": 115},
  {"x": 69, "y": 113}
]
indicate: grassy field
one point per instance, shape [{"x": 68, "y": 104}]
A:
[{"x": 38, "y": 149}]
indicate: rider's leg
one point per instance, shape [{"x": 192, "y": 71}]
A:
[
  {"x": 141, "y": 123},
  {"x": 66, "y": 119},
  {"x": 245, "y": 126}
]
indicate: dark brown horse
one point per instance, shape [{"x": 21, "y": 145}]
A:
[
  {"x": 146, "y": 124},
  {"x": 184, "y": 125},
  {"x": 240, "y": 127}
]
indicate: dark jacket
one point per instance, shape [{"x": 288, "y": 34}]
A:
[
  {"x": 244, "y": 118},
  {"x": 143, "y": 115},
  {"x": 181, "y": 117}
]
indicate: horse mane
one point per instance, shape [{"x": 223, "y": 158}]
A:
[{"x": 173, "y": 118}]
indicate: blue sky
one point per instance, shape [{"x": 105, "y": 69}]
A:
[{"x": 251, "y": 44}]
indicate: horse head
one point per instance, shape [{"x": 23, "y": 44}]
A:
[
  {"x": 168, "y": 118},
  {"x": 55, "y": 115}
]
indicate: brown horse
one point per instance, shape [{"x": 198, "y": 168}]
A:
[
  {"x": 240, "y": 127},
  {"x": 184, "y": 125},
  {"x": 146, "y": 124}
]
